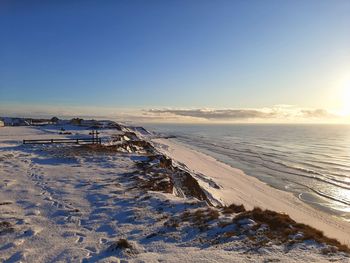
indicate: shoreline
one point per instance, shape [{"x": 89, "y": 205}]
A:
[
  {"x": 238, "y": 188},
  {"x": 281, "y": 187}
]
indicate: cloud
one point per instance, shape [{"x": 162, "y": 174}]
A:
[
  {"x": 278, "y": 113},
  {"x": 217, "y": 114},
  {"x": 317, "y": 113}
]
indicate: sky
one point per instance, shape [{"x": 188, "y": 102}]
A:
[{"x": 198, "y": 60}]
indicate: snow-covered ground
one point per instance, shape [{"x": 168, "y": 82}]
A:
[{"x": 61, "y": 203}]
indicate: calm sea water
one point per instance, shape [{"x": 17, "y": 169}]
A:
[{"x": 311, "y": 161}]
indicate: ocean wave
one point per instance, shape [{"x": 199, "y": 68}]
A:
[
  {"x": 300, "y": 171},
  {"x": 331, "y": 197},
  {"x": 317, "y": 175},
  {"x": 309, "y": 177}
]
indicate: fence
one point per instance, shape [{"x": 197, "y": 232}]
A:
[{"x": 75, "y": 141}]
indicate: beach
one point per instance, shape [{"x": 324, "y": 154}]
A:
[
  {"x": 239, "y": 188},
  {"x": 126, "y": 201}
]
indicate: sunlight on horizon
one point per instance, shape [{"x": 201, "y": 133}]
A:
[{"x": 345, "y": 99}]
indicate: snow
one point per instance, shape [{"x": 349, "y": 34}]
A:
[
  {"x": 69, "y": 204},
  {"x": 246, "y": 221}
]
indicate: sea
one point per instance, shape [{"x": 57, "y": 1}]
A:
[{"x": 310, "y": 161}]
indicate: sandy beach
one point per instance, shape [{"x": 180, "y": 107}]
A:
[{"x": 239, "y": 188}]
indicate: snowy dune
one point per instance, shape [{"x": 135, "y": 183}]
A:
[
  {"x": 236, "y": 187},
  {"x": 61, "y": 203}
]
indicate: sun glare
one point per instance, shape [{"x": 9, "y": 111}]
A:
[{"x": 345, "y": 100}]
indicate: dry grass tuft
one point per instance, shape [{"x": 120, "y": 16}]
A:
[
  {"x": 233, "y": 209},
  {"x": 128, "y": 146},
  {"x": 123, "y": 243},
  {"x": 165, "y": 162},
  {"x": 5, "y": 228},
  {"x": 282, "y": 227},
  {"x": 172, "y": 222},
  {"x": 156, "y": 182},
  {"x": 201, "y": 217},
  {"x": 5, "y": 203}
]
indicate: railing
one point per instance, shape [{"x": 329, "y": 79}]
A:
[{"x": 76, "y": 141}]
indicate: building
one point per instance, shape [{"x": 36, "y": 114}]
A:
[{"x": 14, "y": 121}]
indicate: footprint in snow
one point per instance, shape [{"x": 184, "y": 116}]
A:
[
  {"x": 80, "y": 239},
  {"x": 17, "y": 257},
  {"x": 31, "y": 232},
  {"x": 91, "y": 249},
  {"x": 34, "y": 212}
]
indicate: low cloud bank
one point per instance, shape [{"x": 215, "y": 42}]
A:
[
  {"x": 317, "y": 113},
  {"x": 277, "y": 113},
  {"x": 217, "y": 114}
]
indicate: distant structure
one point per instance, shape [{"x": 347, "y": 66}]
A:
[
  {"x": 92, "y": 124},
  {"x": 54, "y": 120},
  {"x": 8, "y": 121}
]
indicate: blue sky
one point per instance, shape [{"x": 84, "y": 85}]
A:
[{"x": 178, "y": 54}]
